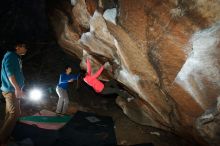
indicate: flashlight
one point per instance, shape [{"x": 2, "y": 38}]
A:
[{"x": 35, "y": 94}]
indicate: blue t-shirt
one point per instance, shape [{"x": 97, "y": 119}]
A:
[
  {"x": 11, "y": 65},
  {"x": 64, "y": 78}
]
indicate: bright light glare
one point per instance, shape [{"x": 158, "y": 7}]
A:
[{"x": 35, "y": 94}]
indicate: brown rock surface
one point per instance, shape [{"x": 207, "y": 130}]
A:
[{"x": 167, "y": 53}]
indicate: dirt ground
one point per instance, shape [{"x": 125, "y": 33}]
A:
[{"x": 84, "y": 99}]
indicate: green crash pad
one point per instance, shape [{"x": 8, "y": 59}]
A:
[{"x": 46, "y": 119}]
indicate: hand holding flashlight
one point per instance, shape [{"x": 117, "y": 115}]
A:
[{"x": 19, "y": 93}]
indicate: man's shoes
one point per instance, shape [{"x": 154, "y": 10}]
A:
[
  {"x": 62, "y": 114},
  {"x": 59, "y": 114}
]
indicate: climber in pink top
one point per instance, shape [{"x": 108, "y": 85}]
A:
[
  {"x": 92, "y": 80},
  {"x": 109, "y": 87}
]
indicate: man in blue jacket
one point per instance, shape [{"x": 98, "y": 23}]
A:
[
  {"x": 61, "y": 89},
  {"x": 12, "y": 82}
]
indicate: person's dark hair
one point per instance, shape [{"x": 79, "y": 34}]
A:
[
  {"x": 12, "y": 46},
  {"x": 20, "y": 43},
  {"x": 66, "y": 67}
]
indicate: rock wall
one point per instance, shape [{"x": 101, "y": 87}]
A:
[{"x": 166, "y": 54}]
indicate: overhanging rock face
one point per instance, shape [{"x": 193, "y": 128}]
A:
[{"x": 166, "y": 54}]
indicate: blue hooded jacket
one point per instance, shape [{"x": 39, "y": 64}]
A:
[{"x": 64, "y": 78}]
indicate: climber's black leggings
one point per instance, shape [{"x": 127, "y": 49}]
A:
[{"x": 111, "y": 87}]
